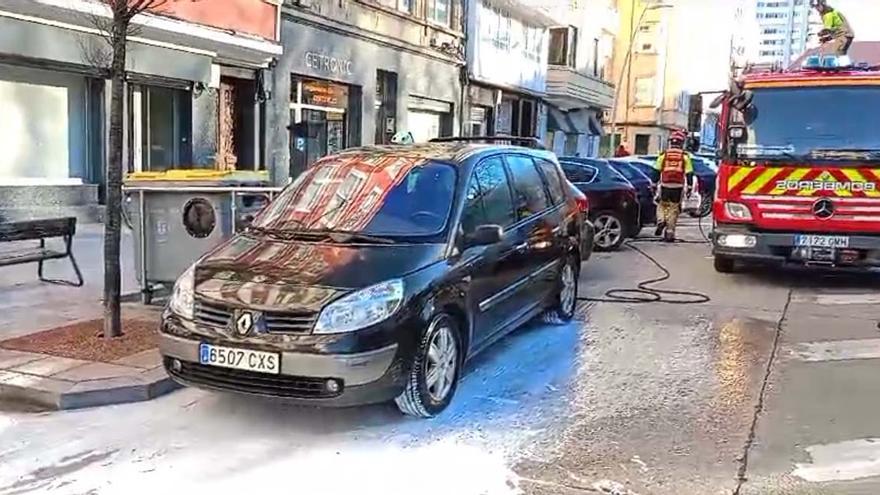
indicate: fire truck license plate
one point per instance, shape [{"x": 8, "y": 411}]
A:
[{"x": 822, "y": 241}]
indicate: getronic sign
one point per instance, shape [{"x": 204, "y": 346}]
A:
[{"x": 328, "y": 64}]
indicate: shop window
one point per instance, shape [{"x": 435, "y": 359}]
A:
[
  {"x": 563, "y": 46},
  {"x": 440, "y": 11},
  {"x": 479, "y": 121},
  {"x": 161, "y": 124},
  {"x": 643, "y": 143},
  {"x": 321, "y": 116}
]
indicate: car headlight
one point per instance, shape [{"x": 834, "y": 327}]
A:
[
  {"x": 182, "y": 297},
  {"x": 738, "y": 211},
  {"x": 361, "y": 309}
]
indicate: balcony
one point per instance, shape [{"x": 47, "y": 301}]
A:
[{"x": 569, "y": 89}]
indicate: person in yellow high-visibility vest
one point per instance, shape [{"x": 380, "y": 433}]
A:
[
  {"x": 676, "y": 172},
  {"x": 837, "y": 35}
]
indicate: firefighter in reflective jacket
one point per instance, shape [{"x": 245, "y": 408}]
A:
[{"x": 676, "y": 172}]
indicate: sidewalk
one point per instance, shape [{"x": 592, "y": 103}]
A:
[
  {"x": 48, "y": 314},
  {"x": 28, "y": 305}
]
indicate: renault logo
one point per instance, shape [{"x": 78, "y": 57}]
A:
[
  {"x": 823, "y": 208},
  {"x": 244, "y": 323}
]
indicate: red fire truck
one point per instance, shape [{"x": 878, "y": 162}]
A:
[{"x": 799, "y": 180}]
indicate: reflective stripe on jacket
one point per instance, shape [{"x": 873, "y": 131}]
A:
[{"x": 674, "y": 165}]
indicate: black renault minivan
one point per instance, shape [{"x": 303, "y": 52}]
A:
[{"x": 377, "y": 274}]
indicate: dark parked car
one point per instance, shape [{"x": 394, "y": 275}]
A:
[
  {"x": 645, "y": 189},
  {"x": 614, "y": 204},
  {"x": 377, "y": 274}
]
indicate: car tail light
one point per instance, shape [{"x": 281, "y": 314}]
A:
[{"x": 583, "y": 204}]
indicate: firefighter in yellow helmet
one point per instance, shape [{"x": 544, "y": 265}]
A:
[{"x": 676, "y": 172}]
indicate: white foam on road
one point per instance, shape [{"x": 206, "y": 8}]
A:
[
  {"x": 836, "y": 350},
  {"x": 839, "y": 299},
  {"x": 842, "y": 461}
]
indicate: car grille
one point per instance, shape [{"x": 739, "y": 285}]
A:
[
  {"x": 219, "y": 315},
  {"x": 251, "y": 382}
]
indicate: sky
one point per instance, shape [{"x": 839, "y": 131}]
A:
[{"x": 701, "y": 44}]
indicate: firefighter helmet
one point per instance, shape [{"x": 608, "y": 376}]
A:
[{"x": 677, "y": 138}]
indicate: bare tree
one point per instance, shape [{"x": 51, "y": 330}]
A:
[{"x": 116, "y": 31}]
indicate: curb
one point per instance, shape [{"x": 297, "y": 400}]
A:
[{"x": 65, "y": 395}]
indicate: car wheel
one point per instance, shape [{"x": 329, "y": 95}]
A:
[
  {"x": 724, "y": 264},
  {"x": 435, "y": 370},
  {"x": 610, "y": 232},
  {"x": 565, "y": 300}
]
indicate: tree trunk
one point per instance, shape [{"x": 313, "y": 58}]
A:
[{"x": 112, "y": 225}]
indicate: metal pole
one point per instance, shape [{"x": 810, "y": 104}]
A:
[
  {"x": 145, "y": 286},
  {"x": 625, "y": 70}
]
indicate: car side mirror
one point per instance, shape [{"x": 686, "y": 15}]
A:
[{"x": 486, "y": 235}]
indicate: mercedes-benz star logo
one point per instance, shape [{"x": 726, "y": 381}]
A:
[
  {"x": 244, "y": 323},
  {"x": 823, "y": 208}
]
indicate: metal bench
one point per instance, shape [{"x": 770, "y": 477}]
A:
[{"x": 33, "y": 230}]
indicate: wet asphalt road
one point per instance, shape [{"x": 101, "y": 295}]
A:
[{"x": 770, "y": 388}]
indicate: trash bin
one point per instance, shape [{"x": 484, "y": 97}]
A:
[{"x": 178, "y": 215}]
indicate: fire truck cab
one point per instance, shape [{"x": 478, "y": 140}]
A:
[{"x": 799, "y": 175}]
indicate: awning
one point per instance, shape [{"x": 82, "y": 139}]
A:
[
  {"x": 585, "y": 122},
  {"x": 573, "y": 122},
  {"x": 557, "y": 120}
]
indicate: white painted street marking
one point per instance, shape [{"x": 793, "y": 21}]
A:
[
  {"x": 836, "y": 350},
  {"x": 839, "y": 299},
  {"x": 842, "y": 461}
]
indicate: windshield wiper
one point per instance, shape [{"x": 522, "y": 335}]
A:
[
  {"x": 271, "y": 232},
  {"x": 846, "y": 153},
  {"x": 343, "y": 236}
]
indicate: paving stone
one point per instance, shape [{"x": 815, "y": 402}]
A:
[
  {"x": 148, "y": 359},
  {"x": 96, "y": 371},
  {"x": 49, "y": 365},
  {"x": 10, "y": 359}
]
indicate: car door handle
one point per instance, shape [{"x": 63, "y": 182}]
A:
[{"x": 521, "y": 248}]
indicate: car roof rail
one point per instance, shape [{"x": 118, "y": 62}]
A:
[{"x": 526, "y": 142}]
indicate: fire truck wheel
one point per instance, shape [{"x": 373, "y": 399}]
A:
[{"x": 724, "y": 264}]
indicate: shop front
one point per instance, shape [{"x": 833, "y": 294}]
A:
[{"x": 345, "y": 91}]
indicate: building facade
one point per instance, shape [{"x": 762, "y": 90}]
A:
[
  {"x": 651, "y": 102},
  {"x": 507, "y": 48},
  {"x": 357, "y": 73},
  {"x": 579, "y": 92},
  {"x": 195, "y": 96}
]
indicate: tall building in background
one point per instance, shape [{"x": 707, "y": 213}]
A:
[{"x": 783, "y": 30}]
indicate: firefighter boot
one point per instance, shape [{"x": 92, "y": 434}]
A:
[{"x": 661, "y": 226}]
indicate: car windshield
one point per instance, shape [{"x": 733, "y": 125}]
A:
[
  {"x": 627, "y": 170},
  {"x": 377, "y": 195},
  {"x": 818, "y": 122}
]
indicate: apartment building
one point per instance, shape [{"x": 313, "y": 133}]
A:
[
  {"x": 783, "y": 28},
  {"x": 579, "y": 90},
  {"x": 651, "y": 101}
]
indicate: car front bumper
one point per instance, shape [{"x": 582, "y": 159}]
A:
[
  {"x": 780, "y": 247},
  {"x": 363, "y": 378}
]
